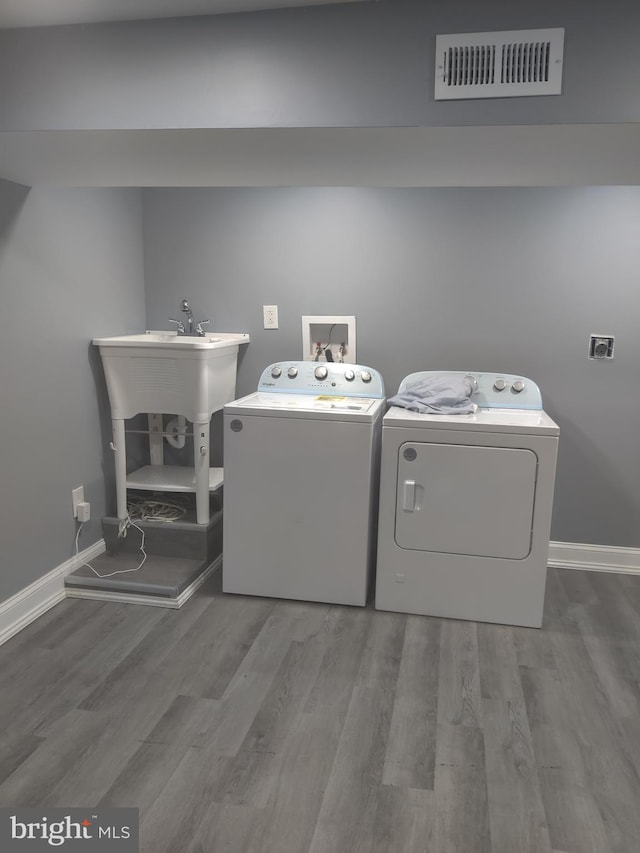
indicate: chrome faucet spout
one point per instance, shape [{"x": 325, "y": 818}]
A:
[
  {"x": 184, "y": 307},
  {"x": 191, "y": 327}
]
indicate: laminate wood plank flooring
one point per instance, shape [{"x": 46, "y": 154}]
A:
[{"x": 253, "y": 725}]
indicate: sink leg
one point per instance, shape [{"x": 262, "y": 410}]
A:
[
  {"x": 201, "y": 463},
  {"x": 120, "y": 455}
]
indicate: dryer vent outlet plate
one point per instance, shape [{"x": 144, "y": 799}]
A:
[{"x": 601, "y": 346}]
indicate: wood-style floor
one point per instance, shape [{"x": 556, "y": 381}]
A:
[{"x": 245, "y": 724}]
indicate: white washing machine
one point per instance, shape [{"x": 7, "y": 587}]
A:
[
  {"x": 465, "y": 506},
  {"x": 301, "y": 469}
]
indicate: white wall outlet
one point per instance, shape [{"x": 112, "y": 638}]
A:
[
  {"x": 270, "y": 313},
  {"x": 77, "y": 497}
]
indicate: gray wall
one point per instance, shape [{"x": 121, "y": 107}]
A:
[
  {"x": 70, "y": 270},
  {"x": 358, "y": 64},
  {"x": 511, "y": 280}
]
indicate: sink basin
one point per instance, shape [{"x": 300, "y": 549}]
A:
[{"x": 166, "y": 373}]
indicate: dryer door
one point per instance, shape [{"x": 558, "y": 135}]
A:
[{"x": 465, "y": 499}]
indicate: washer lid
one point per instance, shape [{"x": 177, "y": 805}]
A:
[
  {"x": 523, "y": 421},
  {"x": 277, "y": 404}
]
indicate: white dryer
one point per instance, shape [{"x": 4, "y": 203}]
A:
[
  {"x": 465, "y": 506},
  {"x": 301, "y": 468}
]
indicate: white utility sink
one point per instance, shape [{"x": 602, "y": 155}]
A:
[{"x": 168, "y": 373}]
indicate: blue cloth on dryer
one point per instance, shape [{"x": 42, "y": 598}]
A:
[{"x": 440, "y": 394}]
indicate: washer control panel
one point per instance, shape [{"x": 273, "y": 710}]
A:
[
  {"x": 490, "y": 390},
  {"x": 332, "y": 378}
]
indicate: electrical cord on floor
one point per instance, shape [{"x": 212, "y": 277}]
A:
[
  {"x": 144, "y": 510},
  {"x": 124, "y": 525}
]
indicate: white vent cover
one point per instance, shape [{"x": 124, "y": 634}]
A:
[{"x": 499, "y": 65}]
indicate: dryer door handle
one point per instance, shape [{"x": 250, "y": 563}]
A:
[{"x": 409, "y": 496}]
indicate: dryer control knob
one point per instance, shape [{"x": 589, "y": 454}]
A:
[
  {"x": 292, "y": 372},
  {"x": 349, "y": 375},
  {"x": 365, "y": 376},
  {"x": 321, "y": 373},
  {"x": 500, "y": 384},
  {"x": 276, "y": 372},
  {"x": 517, "y": 386},
  {"x": 473, "y": 381}
]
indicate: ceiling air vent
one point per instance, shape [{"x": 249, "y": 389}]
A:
[{"x": 499, "y": 65}]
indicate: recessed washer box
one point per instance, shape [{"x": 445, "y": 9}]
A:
[{"x": 329, "y": 332}]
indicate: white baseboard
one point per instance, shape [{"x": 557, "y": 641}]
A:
[
  {"x": 146, "y": 600},
  {"x": 25, "y": 606},
  {"x": 594, "y": 558}
]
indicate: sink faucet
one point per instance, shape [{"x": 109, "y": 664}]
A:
[
  {"x": 189, "y": 329},
  {"x": 184, "y": 307}
]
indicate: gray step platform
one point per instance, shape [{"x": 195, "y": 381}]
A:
[
  {"x": 165, "y": 576},
  {"x": 180, "y": 557},
  {"x": 182, "y": 538},
  {"x": 162, "y": 581}
]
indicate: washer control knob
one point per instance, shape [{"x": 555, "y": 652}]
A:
[
  {"x": 276, "y": 372},
  {"x": 292, "y": 372},
  {"x": 499, "y": 384},
  {"x": 321, "y": 373},
  {"x": 349, "y": 375},
  {"x": 365, "y": 376},
  {"x": 517, "y": 386}
]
